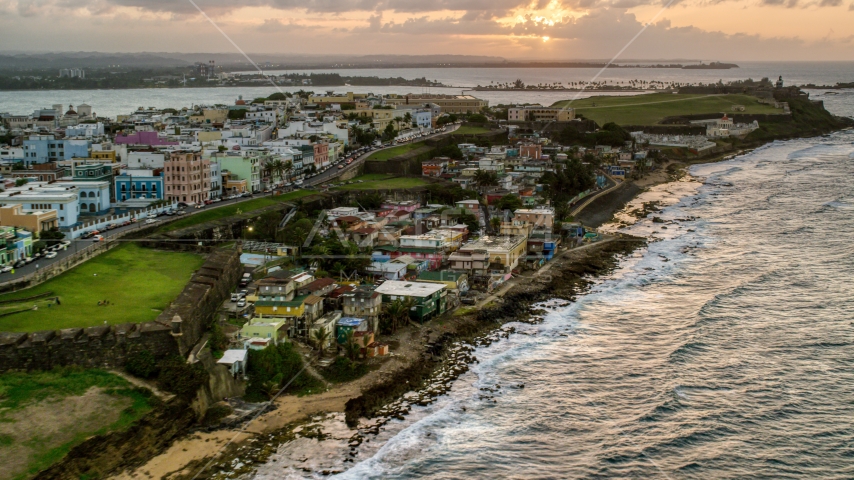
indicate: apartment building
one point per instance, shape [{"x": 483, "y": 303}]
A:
[
  {"x": 538, "y": 113},
  {"x": 187, "y": 177}
]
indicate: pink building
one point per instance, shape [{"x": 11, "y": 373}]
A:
[
  {"x": 141, "y": 138},
  {"x": 187, "y": 177},
  {"x": 406, "y": 205},
  {"x": 321, "y": 154}
]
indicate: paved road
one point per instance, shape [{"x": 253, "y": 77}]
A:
[
  {"x": 79, "y": 244},
  {"x": 335, "y": 172}
]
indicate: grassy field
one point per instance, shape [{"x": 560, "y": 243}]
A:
[
  {"x": 138, "y": 282},
  {"x": 392, "y": 152},
  {"x": 211, "y": 213},
  {"x": 373, "y": 181},
  {"x": 43, "y": 415},
  {"x": 471, "y": 130},
  {"x": 650, "y": 109}
]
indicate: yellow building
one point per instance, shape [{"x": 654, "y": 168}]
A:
[
  {"x": 207, "y": 137},
  {"x": 106, "y": 156},
  {"x": 35, "y": 221},
  {"x": 382, "y": 117},
  {"x": 502, "y": 253},
  {"x": 210, "y": 116},
  {"x": 332, "y": 98},
  {"x": 447, "y": 103}
]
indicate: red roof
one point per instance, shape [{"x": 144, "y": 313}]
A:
[
  {"x": 319, "y": 283},
  {"x": 341, "y": 291}
]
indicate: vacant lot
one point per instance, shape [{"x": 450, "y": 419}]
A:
[
  {"x": 471, "y": 130},
  {"x": 375, "y": 181},
  {"x": 211, "y": 213},
  {"x": 392, "y": 152},
  {"x": 652, "y": 108},
  {"x": 43, "y": 415},
  {"x": 138, "y": 283}
]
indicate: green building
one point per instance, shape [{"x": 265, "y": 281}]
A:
[
  {"x": 429, "y": 298},
  {"x": 15, "y": 244},
  {"x": 246, "y": 167}
]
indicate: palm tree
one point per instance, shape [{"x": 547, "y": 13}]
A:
[
  {"x": 287, "y": 168},
  {"x": 351, "y": 347},
  {"x": 320, "y": 337},
  {"x": 407, "y": 118},
  {"x": 395, "y": 312}
]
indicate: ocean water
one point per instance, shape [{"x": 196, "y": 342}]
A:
[
  {"x": 120, "y": 102},
  {"x": 723, "y": 349}
]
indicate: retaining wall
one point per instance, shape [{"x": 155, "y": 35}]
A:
[{"x": 109, "y": 346}]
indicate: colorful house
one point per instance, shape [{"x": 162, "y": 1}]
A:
[{"x": 428, "y": 298}]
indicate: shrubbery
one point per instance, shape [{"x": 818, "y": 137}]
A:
[
  {"x": 182, "y": 379},
  {"x": 272, "y": 368},
  {"x": 142, "y": 364},
  {"x": 344, "y": 370}
]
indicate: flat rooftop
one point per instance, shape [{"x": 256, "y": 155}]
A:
[{"x": 409, "y": 289}]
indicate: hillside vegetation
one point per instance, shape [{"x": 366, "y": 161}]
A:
[{"x": 652, "y": 108}]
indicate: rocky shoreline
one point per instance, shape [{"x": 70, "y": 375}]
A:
[{"x": 446, "y": 356}]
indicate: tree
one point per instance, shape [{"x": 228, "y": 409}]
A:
[
  {"x": 477, "y": 118},
  {"x": 407, "y": 118},
  {"x": 389, "y": 133},
  {"x": 396, "y": 312},
  {"x": 485, "y": 178},
  {"x": 320, "y": 337},
  {"x": 19, "y": 182},
  {"x": 495, "y": 223},
  {"x": 566, "y": 182},
  {"x": 470, "y": 221},
  {"x": 351, "y": 346},
  {"x": 508, "y": 202}
]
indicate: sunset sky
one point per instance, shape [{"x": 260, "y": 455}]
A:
[{"x": 516, "y": 29}]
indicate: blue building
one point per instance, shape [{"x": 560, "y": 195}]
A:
[
  {"x": 46, "y": 148},
  {"x": 131, "y": 184}
]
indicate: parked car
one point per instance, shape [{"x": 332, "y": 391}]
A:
[
  {"x": 149, "y": 221},
  {"x": 29, "y": 260},
  {"x": 6, "y": 269},
  {"x": 201, "y": 205},
  {"x": 65, "y": 243},
  {"x": 50, "y": 255},
  {"x": 20, "y": 263},
  {"x": 241, "y": 303},
  {"x": 98, "y": 238},
  {"x": 235, "y": 297}
]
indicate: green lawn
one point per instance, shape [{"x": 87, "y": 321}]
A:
[
  {"x": 471, "y": 130},
  {"x": 373, "y": 181},
  {"x": 652, "y": 108},
  {"x": 138, "y": 282},
  {"x": 212, "y": 212},
  {"x": 392, "y": 152},
  {"x": 45, "y": 414}
]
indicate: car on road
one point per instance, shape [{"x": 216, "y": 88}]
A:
[
  {"x": 241, "y": 303},
  {"x": 98, "y": 238},
  {"x": 50, "y": 255},
  {"x": 340, "y": 166},
  {"x": 149, "y": 221},
  {"x": 20, "y": 263},
  {"x": 235, "y": 297},
  {"x": 201, "y": 205},
  {"x": 65, "y": 243},
  {"x": 29, "y": 260},
  {"x": 6, "y": 269}
]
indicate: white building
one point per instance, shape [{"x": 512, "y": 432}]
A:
[
  {"x": 145, "y": 160},
  {"x": 305, "y": 129},
  {"x": 62, "y": 199}
]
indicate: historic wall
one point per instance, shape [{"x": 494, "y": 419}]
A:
[{"x": 109, "y": 346}]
